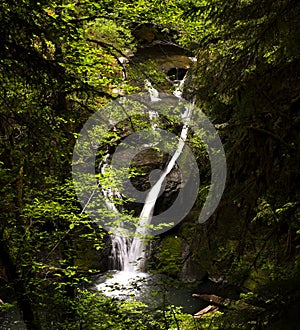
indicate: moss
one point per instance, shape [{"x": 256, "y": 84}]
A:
[
  {"x": 170, "y": 255},
  {"x": 256, "y": 278}
]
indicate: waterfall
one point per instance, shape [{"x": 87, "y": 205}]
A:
[
  {"x": 153, "y": 93},
  {"x": 128, "y": 255},
  {"x": 136, "y": 254},
  {"x": 120, "y": 244},
  {"x": 119, "y": 252},
  {"x": 154, "y": 97}
]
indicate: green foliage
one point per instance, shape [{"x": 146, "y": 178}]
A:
[
  {"x": 93, "y": 311},
  {"x": 52, "y": 78},
  {"x": 111, "y": 33},
  {"x": 170, "y": 256},
  {"x": 59, "y": 62},
  {"x": 150, "y": 70}
]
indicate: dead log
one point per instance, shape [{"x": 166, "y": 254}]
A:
[
  {"x": 210, "y": 309},
  {"x": 213, "y": 299},
  {"x": 218, "y": 301}
]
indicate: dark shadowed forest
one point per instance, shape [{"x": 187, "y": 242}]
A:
[{"x": 237, "y": 63}]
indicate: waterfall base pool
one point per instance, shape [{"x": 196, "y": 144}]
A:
[
  {"x": 121, "y": 284},
  {"x": 154, "y": 290}
]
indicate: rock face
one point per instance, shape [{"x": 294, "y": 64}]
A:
[
  {"x": 171, "y": 59},
  {"x": 159, "y": 60},
  {"x": 87, "y": 257},
  {"x": 146, "y": 163}
]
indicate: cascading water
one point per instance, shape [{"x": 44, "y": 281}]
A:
[
  {"x": 125, "y": 251},
  {"x": 129, "y": 254},
  {"x": 120, "y": 244},
  {"x": 136, "y": 258}
]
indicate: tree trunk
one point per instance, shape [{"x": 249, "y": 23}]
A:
[{"x": 24, "y": 302}]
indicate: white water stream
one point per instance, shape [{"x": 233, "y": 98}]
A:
[
  {"x": 136, "y": 258},
  {"x": 129, "y": 254},
  {"x": 120, "y": 244}
]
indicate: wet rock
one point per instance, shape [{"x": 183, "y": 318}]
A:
[
  {"x": 177, "y": 73},
  {"x": 145, "y": 33},
  {"x": 149, "y": 165},
  {"x": 167, "y": 56}
]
